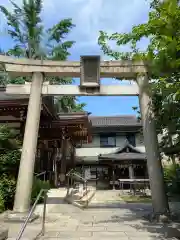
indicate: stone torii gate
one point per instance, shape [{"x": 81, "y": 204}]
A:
[{"x": 90, "y": 69}]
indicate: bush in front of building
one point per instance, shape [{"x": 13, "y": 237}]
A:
[
  {"x": 7, "y": 190},
  {"x": 37, "y": 186},
  {"x": 172, "y": 178},
  {"x": 9, "y": 165},
  {"x": 2, "y": 207}
]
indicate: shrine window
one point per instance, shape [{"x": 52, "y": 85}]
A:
[
  {"x": 131, "y": 139},
  {"x": 107, "y": 140}
]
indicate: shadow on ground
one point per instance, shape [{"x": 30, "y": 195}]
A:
[
  {"x": 135, "y": 218},
  {"x": 56, "y": 200}
]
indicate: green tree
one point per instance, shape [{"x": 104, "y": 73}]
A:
[
  {"x": 8, "y": 138},
  {"x": 33, "y": 40},
  {"x": 163, "y": 52},
  {"x": 69, "y": 104},
  {"x": 162, "y": 56}
]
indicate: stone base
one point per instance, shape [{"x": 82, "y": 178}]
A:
[
  {"x": 19, "y": 217},
  {"x": 162, "y": 218},
  {"x": 3, "y": 233}
]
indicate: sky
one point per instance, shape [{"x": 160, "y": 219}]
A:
[{"x": 91, "y": 16}]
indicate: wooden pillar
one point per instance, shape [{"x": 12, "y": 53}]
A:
[
  {"x": 57, "y": 163},
  {"x": 113, "y": 175},
  {"x": 159, "y": 198},
  {"x": 131, "y": 171},
  {"x": 55, "y": 170},
  {"x": 22, "y": 122},
  {"x": 63, "y": 161},
  {"x": 73, "y": 156}
]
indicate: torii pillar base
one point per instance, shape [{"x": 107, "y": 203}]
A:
[{"x": 18, "y": 217}]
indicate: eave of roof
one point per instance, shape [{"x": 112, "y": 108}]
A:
[
  {"x": 121, "y": 154},
  {"x": 115, "y": 121},
  {"x": 124, "y": 156}
]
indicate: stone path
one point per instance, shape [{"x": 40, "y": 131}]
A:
[
  {"x": 108, "y": 220},
  {"x": 106, "y": 196}
]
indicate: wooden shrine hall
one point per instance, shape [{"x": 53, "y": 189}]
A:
[{"x": 57, "y": 138}]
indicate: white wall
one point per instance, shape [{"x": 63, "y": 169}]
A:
[
  {"x": 93, "y": 149},
  {"x": 140, "y": 142}
]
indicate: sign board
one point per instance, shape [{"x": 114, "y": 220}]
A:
[{"x": 90, "y": 71}]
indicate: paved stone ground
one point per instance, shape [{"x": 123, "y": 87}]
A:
[{"x": 103, "y": 220}]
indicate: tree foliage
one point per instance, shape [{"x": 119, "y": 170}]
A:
[
  {"x": 163, "y": 57},
  {"x": 68, "y": 104},
  {"x": 9, "y": 165},
  {"x": 32, "y": 40}
]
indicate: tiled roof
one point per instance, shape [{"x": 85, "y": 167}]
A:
[{"x": 114, "y": 121}]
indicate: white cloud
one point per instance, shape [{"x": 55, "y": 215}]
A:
[{"x": 90, "y": 16}]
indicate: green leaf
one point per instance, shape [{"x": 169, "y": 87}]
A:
[
  {"x": 163, "y": 31},
  {"x": 32, "y": 40}
]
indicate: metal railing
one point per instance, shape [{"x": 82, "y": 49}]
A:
[
  {"x": 41, "y": 174},
  {"x": 71, "y": 171},
  {"x": 74, "y": 176},
  {"x": 43, "y": 191},
  {"x": 78, "y": 176}
]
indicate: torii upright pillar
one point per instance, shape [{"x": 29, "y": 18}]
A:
[
  {"x": 159, "y": 198},
  {"x": 26, "y": 169}
]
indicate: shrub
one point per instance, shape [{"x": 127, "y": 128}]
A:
[
  {"x": 2, "y": 207},
  {"x": 7, "y": 190},
  {"x": 37, "y": 186},
  {"x": 9, "y": 165},
  {"x": 9, "y": 162},
  {"x": 171, "y": 171},
  {"x": 172, "y": 178}
]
